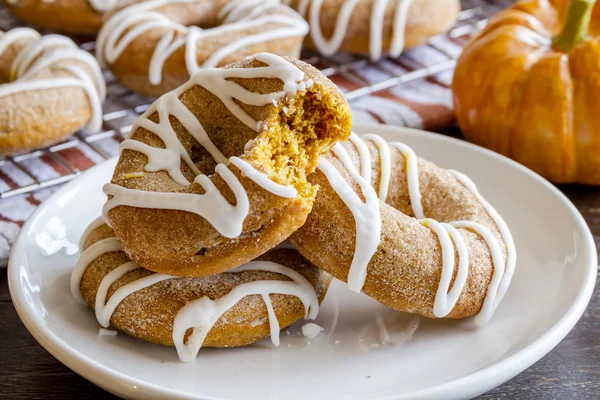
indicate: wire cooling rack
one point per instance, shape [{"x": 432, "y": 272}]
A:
[{"x": 122, "y": 106}]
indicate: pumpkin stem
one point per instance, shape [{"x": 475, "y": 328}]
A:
[{"x": 577, "y": 23}]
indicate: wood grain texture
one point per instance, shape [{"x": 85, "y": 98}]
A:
[{"x": 571, "y": 371}]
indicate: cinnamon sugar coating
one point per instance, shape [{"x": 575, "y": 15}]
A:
[
  {"x": 405, "y": 272},
  {"x": 34, "y": 119},
  {"x": 149, "y": 314},
  {"x": 296, "y": 131}
]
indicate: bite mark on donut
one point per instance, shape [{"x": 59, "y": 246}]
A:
[{"x": 296, "y": 136}]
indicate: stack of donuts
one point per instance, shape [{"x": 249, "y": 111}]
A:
[
  {"x": 155, "y": 46},
  {"x": 241, "y": 193}
]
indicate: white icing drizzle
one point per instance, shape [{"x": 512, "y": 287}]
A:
[
  {"x": 203, "y": 313},
  {"x": 263, "y": 181},
  {"x": 411, "y": 168},
  {"x": 241, "y": 10},
  {"x": 446, "y": 298},
  {"x": 226, "y": 218},
  {"x": 489, "y": 303},
  {"x": 104, "y": 311},
  {"x": 364, "y": 155},
  {"x": 95, "y": 224},
  {"x": 412, "y": 178},
  {"x": 511, "y": 251},
  {"x": 133, "y": 21},
  {"x": 54, "y": 52},
  {"x": 385, "y": 160},
  {"x": 10, "y": 37},
  {"x": 200, "y": 314},
  {"x": 366, "y": 214},
  {"x": 106, "y": 332},
  {"x": 448, "y": 236},
  {"x": 24, "y": 59},
  {"x": 311, "y": 10},
  {"x": 90, "y": 254},
  {"x": 102, "y": 6}
]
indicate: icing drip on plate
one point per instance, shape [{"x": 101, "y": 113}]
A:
[
  {"x": 133, "y": 21},
  {"x": 54, "y": 52},
  {"x": 368, "y": 226},
  {"x": 200, "y": 314},
  {"x": 311, "y": 10},
  {"x": 226, "y": 218}
]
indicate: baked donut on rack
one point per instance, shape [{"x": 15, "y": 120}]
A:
[
  {"x": 374, "y": 27},
  {"x": 72, "y": 16},
  {"x": 49, "y": 89},
  {"x": 413, "y": 236},
  {"x": 236, "y": 308},
  {"x": 154, "y": 46},
  {"x": 214, "y": 173}
]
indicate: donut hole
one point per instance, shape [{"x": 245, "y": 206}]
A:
[{"x": 304, "y": 128}]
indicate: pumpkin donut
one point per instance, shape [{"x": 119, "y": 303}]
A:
[
  {"x": 214, "y": 173},
  {"x": 154, "y": 46},
  {"x": 72, "y": 16},
  {"x": 411, "y": 235},
  {"x": 232, "y": 309},
  {"x": 374, "y": 27},
  {"x": 49, "y": 89}
]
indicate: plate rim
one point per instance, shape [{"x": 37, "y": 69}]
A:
[{"x": 468, "y": 386}]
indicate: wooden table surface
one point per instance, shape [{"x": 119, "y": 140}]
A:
[{"x": 570, "y": 371}]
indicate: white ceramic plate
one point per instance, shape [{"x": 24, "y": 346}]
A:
[{"x": 555, "y": 276}]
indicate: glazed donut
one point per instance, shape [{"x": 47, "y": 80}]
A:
[
  {"x": 236, "y": 308},
  {"x": 155, "y": 46},
  {"x": 248, "y": 136},
  {"x": 420, "y": 240},
  {"x": 73, "y": 16},
  {"x": 50, "y": 89},
  {"x": 374, "y": 27}
]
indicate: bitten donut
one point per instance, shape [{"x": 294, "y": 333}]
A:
[
  {"x": 236, "y": 308},
  {"x": 374, "y": 27},
  {"x": 50, "y": 89},
  {"x": 155, "y": 46},
  {"x": 214, "y": 173},
  {"x": 72, "y": 16},
  {"x": 412, "y": 235}
]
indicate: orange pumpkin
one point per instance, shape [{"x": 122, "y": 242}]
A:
[{"x": 528, "y": 86}]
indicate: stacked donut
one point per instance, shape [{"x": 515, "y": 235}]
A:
[
  {"x": 191, "y": 250},
  {"x": 212, "y": 179}
]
